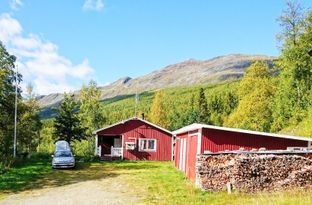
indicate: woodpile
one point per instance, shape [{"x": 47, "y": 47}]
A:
[{"x": 253, "y": 172}]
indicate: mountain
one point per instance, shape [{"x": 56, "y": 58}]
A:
[{"x": 189, "y": 72}]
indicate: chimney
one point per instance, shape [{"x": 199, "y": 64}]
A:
[{"x": 142, "y": 115}]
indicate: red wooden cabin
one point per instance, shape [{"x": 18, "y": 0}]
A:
[
  {"x": 198, "y": 138},
  {"x": 134, "y": 139}
]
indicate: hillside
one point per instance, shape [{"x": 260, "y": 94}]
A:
[
  {"x": 186, "y": 73},
  {"x": 176, "y": 101}
]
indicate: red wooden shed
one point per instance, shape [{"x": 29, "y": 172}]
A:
[
  {"x": 134, "y": 139},
  {"x": 198, "y": 138}
]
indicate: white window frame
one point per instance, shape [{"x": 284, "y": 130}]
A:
[
  {"x": 131, "y": 144},
  {"x": 147, "y": 150}
]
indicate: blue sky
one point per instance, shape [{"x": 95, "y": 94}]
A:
[{"x": 63, "y": 44}]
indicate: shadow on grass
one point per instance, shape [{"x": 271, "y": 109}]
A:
[
  {"x": 39, "y": 174},
  {"x": 131, "y": 165}
]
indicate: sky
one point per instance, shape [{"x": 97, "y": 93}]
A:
[{"x": 61, "y": 45}]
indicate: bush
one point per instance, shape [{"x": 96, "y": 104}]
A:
[
  {"x": 85, "y": 148},
  {"x": 87, "y": 158},
  {"x": 39, "y": 156},
  {"x": 6, "y": 161},
  {"x": 2, "y": 168}
]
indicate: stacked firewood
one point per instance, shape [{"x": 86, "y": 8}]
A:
[{"x": 252, "y": 172}]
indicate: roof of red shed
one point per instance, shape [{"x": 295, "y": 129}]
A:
[
  {"x": 197, "y": 126},
  {"x": 134, "y": 118}
]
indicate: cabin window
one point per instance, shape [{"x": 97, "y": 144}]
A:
[{"x": 147, "y": 145}]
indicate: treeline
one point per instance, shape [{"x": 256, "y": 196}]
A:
[
  {"x": 174, "y": 108},
  {"x": 28, "y": 121}
]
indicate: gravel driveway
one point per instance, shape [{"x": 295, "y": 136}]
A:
[{"x": 97, "y": 190}]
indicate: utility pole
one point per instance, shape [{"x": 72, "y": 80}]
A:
[
  {"x": 15, "y": 114},
  {"x": 136, "y": 104}
]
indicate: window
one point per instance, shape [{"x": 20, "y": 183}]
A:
[
  {"x": 63, "y": 154},
  {"x": 130, "y": 145},
  {"x": 147, "y": 145}
]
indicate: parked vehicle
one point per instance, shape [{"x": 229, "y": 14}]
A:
[{"x": 63, "y": 157}]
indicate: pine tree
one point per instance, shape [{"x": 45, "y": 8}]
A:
[
  {"x": 67, "y": 124},
  {"x": 158, "y": 113},
  {"x": 192, "y": 113},
  {"x": 203, "y": 113}
]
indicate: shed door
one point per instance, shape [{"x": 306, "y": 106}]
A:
[
  {"x": 191, "y": 156},
  {"x": 177, "y": 153}
]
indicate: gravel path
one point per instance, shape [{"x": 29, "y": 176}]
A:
[{"x": 101, "y": 191}]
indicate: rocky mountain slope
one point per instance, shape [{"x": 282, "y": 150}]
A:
[{"x": 189, "y": 72}]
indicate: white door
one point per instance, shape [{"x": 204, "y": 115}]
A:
[{"x": 182, "y": 154}]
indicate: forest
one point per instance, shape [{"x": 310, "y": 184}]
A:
[{"x": 274, "y": 99}]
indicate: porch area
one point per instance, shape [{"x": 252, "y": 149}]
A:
[{"x": 109, "y": 147}]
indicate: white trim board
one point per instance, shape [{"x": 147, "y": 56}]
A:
[
  {"x": 96, "y": 144},
  {"x": 199, "y": 141},
  {"x": 196, "y": 126}
]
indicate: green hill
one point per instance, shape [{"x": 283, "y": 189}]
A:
[
  {"x": 176, "y": 101},
  {"x": 177, "y": 104}
]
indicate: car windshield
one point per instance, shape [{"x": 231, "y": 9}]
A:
[{"x": 63, "y": 154}]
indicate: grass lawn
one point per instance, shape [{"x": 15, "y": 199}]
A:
[{"x": 154, "y": 182}]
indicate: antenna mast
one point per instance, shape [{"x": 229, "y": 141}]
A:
[
  {"x": 136, "y": 104},
  {"x": 15, "y": 114}
]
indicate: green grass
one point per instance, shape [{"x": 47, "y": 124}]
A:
[
  {"x": 155, "y": 182},
  {"x": 19, "y": 178}
]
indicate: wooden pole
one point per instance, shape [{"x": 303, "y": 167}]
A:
[{"x": 15, "y": 114}]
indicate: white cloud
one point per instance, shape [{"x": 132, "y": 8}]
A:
[
  {"x": 39, "y": 60},
  {"x": 93, "y": 5},
  {"x": 9, "y": 28},
  {"x": 16, "y": 4}
]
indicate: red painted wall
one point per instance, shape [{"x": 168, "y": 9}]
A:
[
  {"x": 220, "y": 140},
  {"x": 133, "y": 130}
]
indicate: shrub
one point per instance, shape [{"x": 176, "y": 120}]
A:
[
  {"x": 2, "y": 168},
  {"x": 39, "y": 156},
  {"x": 85, "y": 148}
]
